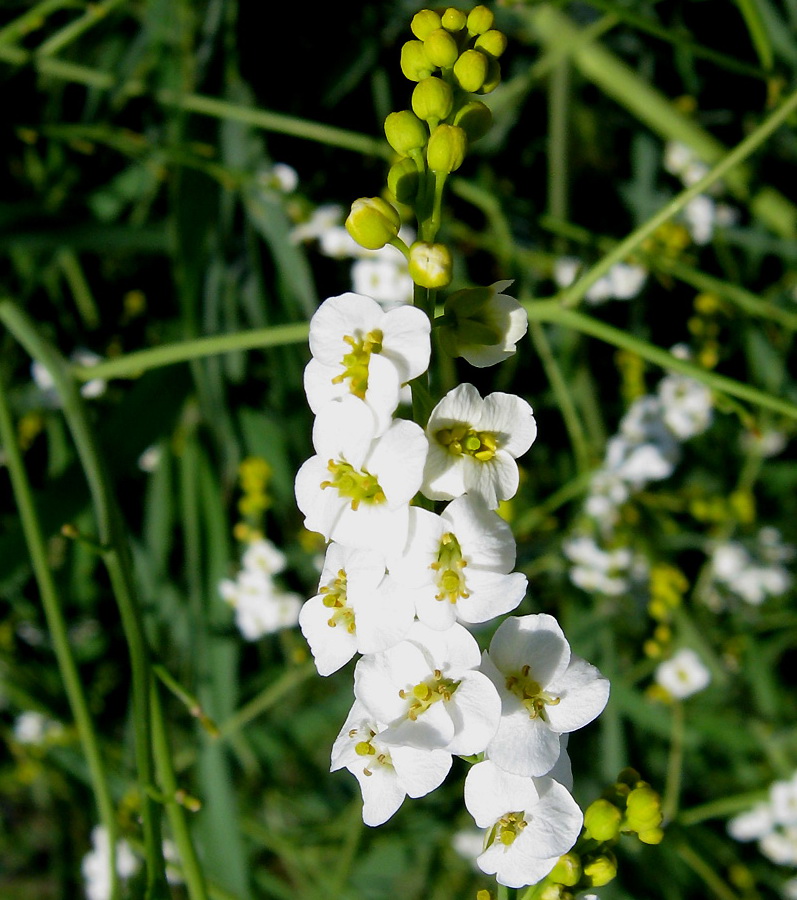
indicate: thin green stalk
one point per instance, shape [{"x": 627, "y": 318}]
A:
[
  {"x": 551, "y": 311},
  {"x": 131, "y": 365},
  {"x": 81, "y": 292},
  {"x": 191, "y": 869},
  {"x": 567, "y": 407},
  {"x": 118, "y": 564},
  {"x": 573, "y": 295},
  {"x": 675, "y": 762},
  {"x": 56, "y": 623},
  {"x": 705, "y": 872},
  {"x": 32, "y": 20},
  {"x": 95, "y": 12},
  {"x": 725, "y": 806},
  {"x": 558, "y": 118}
]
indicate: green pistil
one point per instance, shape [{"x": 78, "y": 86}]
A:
[
  {"x": 508, "y": 827},
  {"x": 335, "y": 599},
  {"x": 359, "y": 487},
  {"x": 357, "y": 361},
  {"x": 459, "y": 439},
  {"x": 424, "y": 694},
  {"x": 531, "y": 694},
  {"x": 449, "y": 566}
]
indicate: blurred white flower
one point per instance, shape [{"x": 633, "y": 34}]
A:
[{"x": 683, "y": 675}]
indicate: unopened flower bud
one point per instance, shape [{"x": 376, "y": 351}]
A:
[
  {"x": 402, "y": 181},
  {"x": 476, "y": 119},
  {"x": 405, "y": 132},
  {"x": 424, "y": 23},
  {"x": 493, "y": 77},
  {"x": 372, "y": 222},
  {"x": 454, "y": 19},
  {"x": 643, "y": 809},
  {"x": 602, "y": 820},
  {"x": 651, "y": 836},
  {"x": 470, "y": 70},
  {"x": 432, "y": 99},
  {"x": 629, "y": 776},
  {"x": 600, "y": 870},
  {"x": 441, "y": 49},
  {"x": 430, "y": 265},
  {"x": 492, "y": 42},
  {"x": 414, "y": 63},
  {"x": 567, "y": 871},
  {"x": 448, "y": 145},
  {"x": 480, "y": 19}
]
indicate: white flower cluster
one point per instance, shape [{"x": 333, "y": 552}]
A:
[
  {"x": 35, "y": 729},
  {"x": 702, "y": 213},
  {"x": 96, "y": 865},
  {"x": 683, "y": 674},
  {"x": 622, "y": 282},
  {"x": 753, "y": 576},
  {"x": 382, "y": 274},
  {"x": 772, "y": 823},
  {"x": 261, "y": 605},
  {"x": 401, "y": 584}
]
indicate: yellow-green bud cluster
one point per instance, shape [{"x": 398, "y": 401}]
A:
[{"x": 629, "y": 806}]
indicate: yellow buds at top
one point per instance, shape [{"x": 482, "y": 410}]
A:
[
  {"x": 470, "y": 70},
  {"x": 414, "y": 63},
  {"x": 424, "y": 23},
  {"x": 480, "y": 19},
  {"x": 372, "y": 222},
  {"x": 567, "y": 870},
  {"x": 405, "y": 132},
  {"x": 474, "y": 118},
  {"x": 430, "y": 265},
  {"x": 433, "y": 99},
  {"x": 441, "y": 49},
  {"x": 643, "y": 809},
  {"x": 602, "y": 820},
  {"x": 492, "y": 42},
  {"x": 447, "y": 148},
  {"x": 454, "y": 19}
]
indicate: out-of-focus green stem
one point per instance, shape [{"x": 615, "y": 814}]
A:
[
  {"x": 118, "y": 564},
  {"x": 725, "y": 806},
  {"x": 94, "y": 13},
  {"x": 59, "y": 634},
  {"x": 705, "y": 872},
  {"x": 551, "y": 311},
  {"x": 675, "y": 761},
  {"x": 32, "y": 19}
]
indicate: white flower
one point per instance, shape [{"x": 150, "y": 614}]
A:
[
  {"x": 386, "y": 774},
  {"x": 644, "y": 448},
  {"x": 96, "y": 865},
  {"x": 626, "y": 280},
  {"x": 34, "y": 728},
  {"x": 322, "y": 220},
  {"x": 596, "y": 569},
  {"x": 780, "y": 846},
  {"x": 261, "y": 607},
  {"x": 44, "y": 381},
  {"x": 686, "y": 405},
  {"x": 457, "y": 564},
  {"x": 531, "y": 822},
  {"x": 753, "y": 824},
  {"x": 427, "y": 690},
  {"x": 385, "y": 277},
  {"x": 360, "y": 350},
  {"x": 473, "y": 445},
  {"x": 353, "y": 611},
  {"x": 545, "y": 692},
  {"x": 683, "y": 675},
  {"x": 607, "y": 492},
  {"x": 357, "y": 489},
  {"x": 485, "y": 324},
  {"x": 262, "y": 556},
  {"x": 700, "y": 214},
  {"x": 783, "y": 801}
]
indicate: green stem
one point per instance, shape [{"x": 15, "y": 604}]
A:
[
  {"x": 705, "y": 872},
  {"x": 672, "y": 789},
  {"x": 726, "y": 806},
  {"x": 32, "y": 20},
  {"x": 551, "y": 311},
  {"x": 56, "y": 623},
  {"x": 94, "y": 13},
  {"x": 573, "y": 295},
  {"x": 117, "y": 562},
  {"x": 134, "y": 364},
  {"x": 191, "y": 870}
]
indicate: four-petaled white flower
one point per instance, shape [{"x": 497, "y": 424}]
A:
[
  {"x": 683, "y": 674},
  {"x": 360, "y": 350},
  {"x": 386, "y": 774},
  {"x": 427, "y": 690},
  {"x": 357, "y": 489},
  {"x": 545, "y": 692},
  {"x": 531, "y": 822},
  {"x": 353, "y": 611},
  {"x": 457, "y": 565},
  {"x": 473, "y": 445}
]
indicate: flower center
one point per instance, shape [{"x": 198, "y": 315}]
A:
[
  {"x": 462, "y": 438},
  {"x": 531, "y": 694},
  {"x": 508, "y": 827},
  {"x": 449, "y": 566},
  {"x": 356, "y": 361},
  {"x": 366, "y": 748},
  {"x": 335, "y": 599},
  {"x": 425, "y": 693},
  {"x": 358, "y": 487}
]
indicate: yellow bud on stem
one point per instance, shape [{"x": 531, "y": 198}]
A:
[
  {"x": 405, "y": 132},
  {"x": 372, "y": 222},
  {"x": 424, "y": 23},
  {"x": 470, "y": 70},
  {"x": 414, "y": 63},
  {"x": 480, "y": 19},
  {"x": 433, "y": 99},
  {"x": 430, "y": 265},
  {"x": 441, "y": 49},
  {"x": 447, "y": 147}
]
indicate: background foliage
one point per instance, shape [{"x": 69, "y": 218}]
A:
[{"x": 137, "y": 213}]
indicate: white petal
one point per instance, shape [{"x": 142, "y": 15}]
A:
[
  {"x": 475, "y": 710},
  {"x": 512, "y": 419},
  {"x": 491, "y": 792},
  {"x": 420, "y": 771},
  {"x": 398, "y": 459},
  {"x": 494, "y": 480},
  {"x": 337, "y": 317},
  {"x": 485, "y": 538},
  {"x": 443, "y": 474},
  {"x": 536, "y": 641},
  {"x": 406, "y": 341},
  {"x": 332, "y": 648},
  {"x": 491, "y": 595},
  {"x": 583, "y": 693}
]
